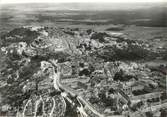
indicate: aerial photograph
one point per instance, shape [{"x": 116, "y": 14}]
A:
[{"x": 83, "y": 58}]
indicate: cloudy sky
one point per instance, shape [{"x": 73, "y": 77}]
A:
[{"x": 66, "y": 1}]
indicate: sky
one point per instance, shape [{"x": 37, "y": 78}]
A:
[{"x": 66, "y": 1}]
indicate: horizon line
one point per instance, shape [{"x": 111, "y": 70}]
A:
[
  {"x": 84, "y": 2},
  {"x": 79, "y": 1}
]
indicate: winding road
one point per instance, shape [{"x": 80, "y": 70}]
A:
[{"x": 70, "y": 92}]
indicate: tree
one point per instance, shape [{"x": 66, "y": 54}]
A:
[{"x": 22, "y": 73}]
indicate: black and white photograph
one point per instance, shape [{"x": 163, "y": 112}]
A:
[{"x": 83, "y": 58}]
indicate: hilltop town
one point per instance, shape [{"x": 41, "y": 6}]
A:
[{"x": 73, "y": 72}]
